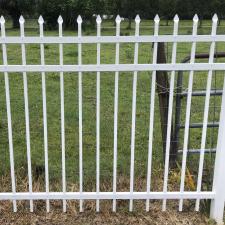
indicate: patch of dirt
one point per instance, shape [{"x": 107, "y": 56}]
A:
[{"x": 106, "y": 217}]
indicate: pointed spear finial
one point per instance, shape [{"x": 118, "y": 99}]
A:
[
  {"x": 98, "y": 19},
  {"x": 21, "y": 20},
  {"x": 79, "y": 19},
  {"x": 118, "y": 19},
  {"x": 137, "y": 19},
  {"x": 2, "y": 20},
  {"x": 156, "y": 19},
  {"x": 176, "y": 19},
  {"x": 215, "y": 18},
  {"x": 195, "y": 18},
  {"x": 40, "y": 20},
  {"x": 60, "y": 19}
]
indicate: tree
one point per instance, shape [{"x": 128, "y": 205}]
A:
[
  {"x": 69, "y": 10},
  {"x": 167, "y": 9},
  {"x": 218, "y": 6},
  {"x": 15, "y": 8}
]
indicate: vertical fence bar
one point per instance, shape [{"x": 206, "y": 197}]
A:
[
  {"x": 170, "y": 110},
  {"x": 217, "y": 204},
  {"x": 206, "y": 112},
  {"x": 137, "y": 24},
  {"x": 41, "y": 22},
  {"x": 60, "y": 22},
  {"x": 118, "y": 20},
  {"x": 8, "y": 108},
  {"x": 22, "y": 21},
  {"x": 79, "y": 22},
  {"x": 98, "y": 21},
  {"x": 152, "y": 105},
  {"x": 188, "y": 112}
]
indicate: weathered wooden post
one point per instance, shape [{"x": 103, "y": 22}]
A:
[
  {"x": 163, "y": 94},
  {"x": 162, "y": 85}
]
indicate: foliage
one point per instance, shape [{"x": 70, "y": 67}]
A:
[
  {"x": 70, "y": 9},
  {"x": 15, "y": 8}
]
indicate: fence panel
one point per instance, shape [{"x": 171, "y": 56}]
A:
[{"x": 216, "y": 194}]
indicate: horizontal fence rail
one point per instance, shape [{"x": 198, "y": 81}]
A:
[
  {"x": 106, "y": 195},
  {"x": 113, "y": 68},
  {"x": 216, "y": 194},
  {"x": 112, "y": 39}
]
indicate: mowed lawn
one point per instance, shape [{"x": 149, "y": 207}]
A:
[{"x": 106, "y": 110}]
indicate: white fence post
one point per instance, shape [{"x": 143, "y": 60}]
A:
[{"x": 217, "y": 204}]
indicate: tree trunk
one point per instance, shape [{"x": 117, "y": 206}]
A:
[
  {"x": 15, "y": 15},
  {"x": 15, "y": 21},
  {"x": 200, "y": 22},
  {"x": 129, "y": 23},
  {"x": 167, "y": 21},
  {"x": 219, "y": 21},
  {"x": 163, "y": 94}
]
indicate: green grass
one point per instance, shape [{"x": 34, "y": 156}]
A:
[{"x": 89, "y": 107}]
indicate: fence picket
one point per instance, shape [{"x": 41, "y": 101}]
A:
[
  {"x": 152, "y": 106},
  {"x": 118, "y": 21},
  {"x": 60, "y": 22},
  {"x": 137, "y": 23},
  {"x": 188, "y": 112},
  {"x": 170, "y": 109},
  {"x": 22, "y": 21},
  {"x": 43, "y": 81},
  {"x": 79, "y": 22},
  {"x": 98, "y": 21},
  {"x": 206, "y": 111},
  {"x": 8, "y": 108}
]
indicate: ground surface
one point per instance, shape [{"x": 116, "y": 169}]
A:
[{"x": 105, "y": 217}]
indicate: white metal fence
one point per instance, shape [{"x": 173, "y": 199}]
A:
[{"x": 217, "y": 194}]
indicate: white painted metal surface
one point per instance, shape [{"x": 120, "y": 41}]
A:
[
  {"x": 206, "y": 111},
  {"x": 170, "y": 111},
  {"x": 60, "y": 22},
  {"x": 217, "y": 194},
  {"x": 79, "y": 22},
  {"x": 41, "y": 22},
  {"x": 21, "y": 21},
  {"x": 8, "y": 106},
  {"x": 137, "y": 23},
  {"x": 98, "y": 21},
  {"x": 188, "y": 112},
  {"x": 118, "y": 21},
  {"x": 114, "y": 67},
  {"x": 152, "y": 106},
  {"x": 217, "y": 203},
  {"x": 112, "y": 39}
]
